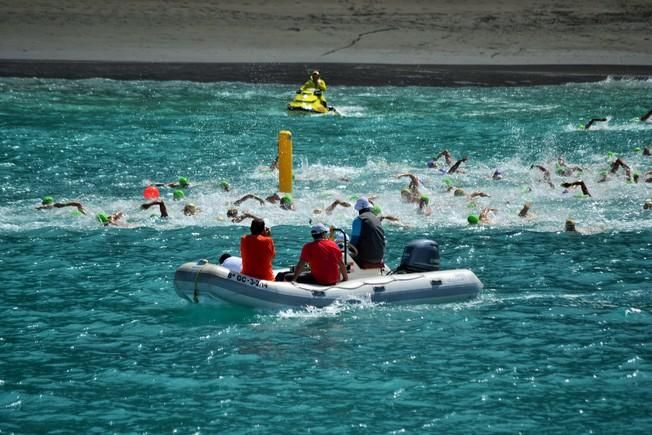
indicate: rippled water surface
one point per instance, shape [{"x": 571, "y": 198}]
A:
[{"x": 94, "y": 339}]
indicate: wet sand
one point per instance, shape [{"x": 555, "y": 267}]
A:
[{"x": 381, "y": 42}]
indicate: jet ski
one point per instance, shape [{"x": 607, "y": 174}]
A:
[{"x": 308, "y": 100}]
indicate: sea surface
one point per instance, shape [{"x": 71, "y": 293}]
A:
[{"x": 94, "y": 338}]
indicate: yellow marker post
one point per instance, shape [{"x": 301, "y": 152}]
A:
[{"x": 285, "y": 161}]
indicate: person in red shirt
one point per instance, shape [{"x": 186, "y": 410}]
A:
[
  {"x": 324, "y": 258},
  {"x": 257, "y": 251}
]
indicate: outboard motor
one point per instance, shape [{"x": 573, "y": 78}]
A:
[{"x": 419, "y": 256}]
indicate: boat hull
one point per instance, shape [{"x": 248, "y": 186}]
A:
[{"x": 202, "y": 282}]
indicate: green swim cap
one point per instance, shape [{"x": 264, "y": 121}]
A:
[
  {"x": 102, "y": 217},
  {"x": 183, "y": 181},
  {"x": 447, "y": 181},
  {"x": 425, "y": 199},
  {"x": 376, "y": 210},
  {"x": 178, "y": 194},
  {"x": 637, "y": 149},
  {"x": 473, "y": 219},
  {"x": 224, "y": 185},
  {"x": 611, "y": 154},
  {"x": 47, "y": 200},
  {"x": 286, "y": 199}
]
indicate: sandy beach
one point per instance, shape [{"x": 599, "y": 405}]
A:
[{"x": 424, "y": 42}]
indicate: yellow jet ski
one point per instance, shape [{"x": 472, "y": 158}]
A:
[{"x": 309, "y": 100}]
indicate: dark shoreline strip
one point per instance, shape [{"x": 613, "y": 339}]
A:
[{"x": 340, "y": 73}]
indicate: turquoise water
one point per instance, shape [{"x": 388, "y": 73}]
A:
[{"x": 94, "y": 339}]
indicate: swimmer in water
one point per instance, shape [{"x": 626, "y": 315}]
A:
[
  {"x": 590, "y": 123},
  {"x": 112, "y": 219},
  {"x": 564, "y": 170},
  {"x": 190, "y": 209},
  {"x": 161, "y": 206},
  {"x": 237, "y": 217},
  {"x": 330, "y": 208},
  {"x": 460, "y": 192},
  {"x": 620, "y": 163},
  {"x": 569, "y": 226},
  {"x": 181, "y": 184},
  {"x": 483, "y": 218},
  {"x": 497, "y": 175},
  {"x": 286, "y": 202},
  {"x": 525, "y": 210},
  {"x": 546, "y": 174},
  {"x": 48, "y": 202},
  {"x": 578, "y": 183},
  {"x": 456, "y": 166},
  {"x": 646, "y": 116},
  {"x": 424, "y": 209},
  {"x": 447, "y": 156},
  {"x": 411, "y": 193},
  {"x": 647, "y": 205}
]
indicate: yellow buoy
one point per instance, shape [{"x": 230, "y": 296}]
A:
[{"x": 285, "y": 161}]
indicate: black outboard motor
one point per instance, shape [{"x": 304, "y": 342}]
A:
[{"x": 419, "y": 256}]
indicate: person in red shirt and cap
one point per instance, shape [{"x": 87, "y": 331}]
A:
[
  {"x": 257, "y": 251},
  {"x": 324, "y": 257}
]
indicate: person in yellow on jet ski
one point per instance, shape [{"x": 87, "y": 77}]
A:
[{"x": 318, "y": 84}]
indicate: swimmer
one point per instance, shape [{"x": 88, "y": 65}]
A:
[
  {"x": 237, "y": 217},
  {"x": 564, "y": 170},
  {"x": 178, "y": 195},
  {"x": 646, "y": 116},
  {"x": 569, "y": 226},
  {"x": 424, "y": 208},
  {"x": 647, "y": 205},
  {"x": 378, "y": 212},
  {"x": 161, "y": 206},
  {"x": 411, "y": 193},
  {"x": 524, "y": 211},
  {"x": 433, "y": 162},
  {"x": 546, "y": 174},
  {"x": 190, "y": 209},
  {"x": 414, "y": 181},
  {"x": 112, "y": 219},
  {"x": 48, "y": 202},
  {"x": 285, "y": 202},
  {"x": 590, "y": 123},
  {"x": 182, "y": 183},
  {"x": 461, "y": 192},
  {"x": 456, "y": 166},
  {"x": 224, "y": 185},
  {"x": 330, "y": 208},
  {"x": 620, "y": 163},
  {"x": 578, "y": 183},
  {"x": 482, "y": 218},
  {"x": 485, "y": 215},
  {"x": 648, "y": 177},
  {"x": 646, "y": 151},
  {"x": 497, "y": 175}
]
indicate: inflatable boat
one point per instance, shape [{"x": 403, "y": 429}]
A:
[
  {"x": 308, "y": 101},
  {"x": 202, "y": 281}
]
